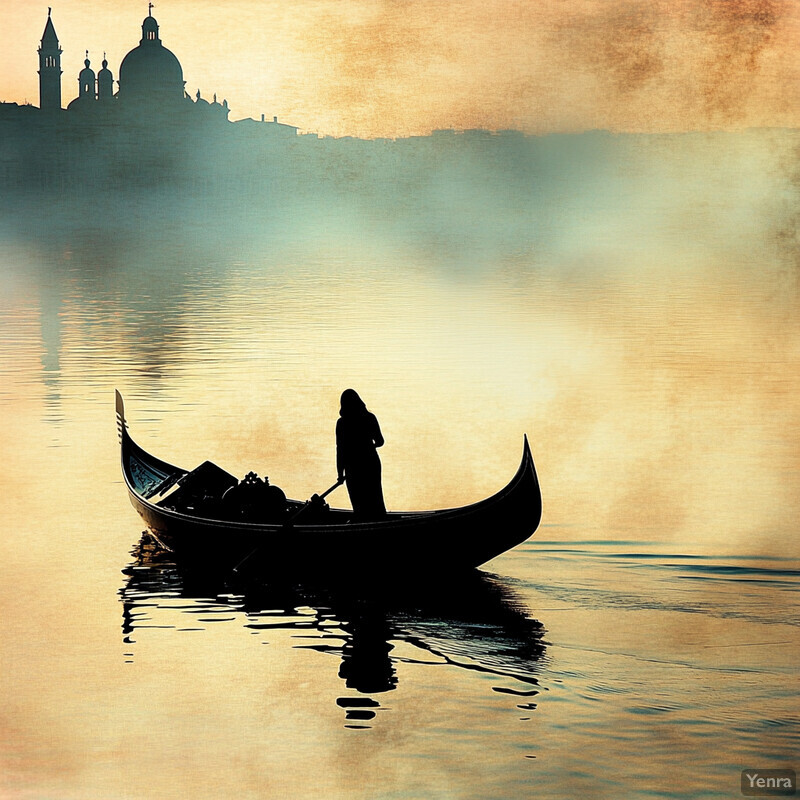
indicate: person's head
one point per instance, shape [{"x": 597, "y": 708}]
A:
[{"x": 351, "y": 403}]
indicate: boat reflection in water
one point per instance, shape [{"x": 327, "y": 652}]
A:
[{"x": 473, "y": 621}]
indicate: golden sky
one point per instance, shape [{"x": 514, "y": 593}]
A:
[{"x": 402, "y": 67}]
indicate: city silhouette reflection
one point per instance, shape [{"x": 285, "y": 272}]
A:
[{"x": 472, "y": 621}]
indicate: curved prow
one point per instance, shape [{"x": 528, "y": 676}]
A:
[
  {"x": 142, "y": 471},
  {"x": 121, "y": 422},
  {"x": 527, "y": 466}
]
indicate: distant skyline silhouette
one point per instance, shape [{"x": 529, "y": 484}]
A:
[
  {"x": 149, "y": 82},
  {"x": 374, "y": 70},
  {"x": 135, "y": 124}
]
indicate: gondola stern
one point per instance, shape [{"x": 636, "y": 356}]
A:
[{"x": 529, "y": 466}]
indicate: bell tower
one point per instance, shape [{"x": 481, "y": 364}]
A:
[
  {"x": 87, "y": 81},
  {"x": 49, "y": 68},
  {"x": 105, "y": 82}
]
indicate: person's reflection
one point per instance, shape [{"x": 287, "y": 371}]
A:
[{"x": 366, "y": 664}]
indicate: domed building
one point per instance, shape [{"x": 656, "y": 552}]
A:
[
  {"x": 151, "y": 73},
  {"x": 87, "y": 92},
  {"x": 151, "y": 86}
]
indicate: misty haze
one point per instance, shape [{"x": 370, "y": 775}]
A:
[{"x": 627, "y": 300}]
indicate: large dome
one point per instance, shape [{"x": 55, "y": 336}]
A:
[{"x": 150, "y": 71}]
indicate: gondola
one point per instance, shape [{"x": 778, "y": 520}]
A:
[{"x": 314, "y": 537}]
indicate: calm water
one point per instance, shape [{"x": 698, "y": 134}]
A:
[{"x": 643, "y": 644}]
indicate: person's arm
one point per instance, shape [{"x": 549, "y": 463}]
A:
[
  {"x": 377, "y": 436},
  {"x": 339, "y": 453}
]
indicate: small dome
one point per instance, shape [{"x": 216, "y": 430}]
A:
[
  {"x": 105, "y": 83},
  {"x": 150, "y": 29}
]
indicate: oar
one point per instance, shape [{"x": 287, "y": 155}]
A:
[
  {"x": 336, "y": 485},
  {"x": 308, "y": 502},
  {"x": 291, "y": 519}
]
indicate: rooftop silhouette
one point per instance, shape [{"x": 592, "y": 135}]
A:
[{"x": 142, "y": 127}]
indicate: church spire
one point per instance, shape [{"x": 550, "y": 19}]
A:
[{"x": 49, "y": 68}]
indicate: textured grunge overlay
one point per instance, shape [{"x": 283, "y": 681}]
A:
[{"x": 403, "y": 67}]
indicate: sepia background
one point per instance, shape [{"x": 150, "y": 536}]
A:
[
  {"x": 388, "y": 68},
  {"x": 620, "y": 283}
]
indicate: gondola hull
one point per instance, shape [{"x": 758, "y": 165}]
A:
[{"x": 452, "y": 538}]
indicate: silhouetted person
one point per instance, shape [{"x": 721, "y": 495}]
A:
[{"x": 357, "y": 437}]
